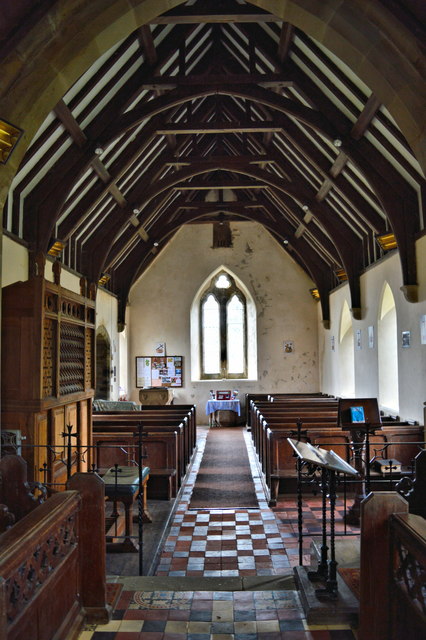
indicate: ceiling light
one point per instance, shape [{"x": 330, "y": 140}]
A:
[
  {"x": 104, "y": 279},
  {"x": 99, "y": 151},
  {"x": 9, "y": 136},
  {"x": 305, "y": 207},
  {"x": 155, "y": 244},
  {"x": 341, "y": 275},
  {"x": 56, "y": 248},
  {"x": 285, "y": 241},
  {"x": 337, "y": 143},
  {"x": 136, "y": 211}
]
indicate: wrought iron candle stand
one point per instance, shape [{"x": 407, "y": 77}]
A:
[
  {"x": 311, "y": 461},
  {"x": 140, "y": 457}
]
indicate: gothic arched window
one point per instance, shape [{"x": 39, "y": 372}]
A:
[{"x": 223, "y": 330}]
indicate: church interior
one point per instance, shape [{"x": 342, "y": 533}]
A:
[{"x": 213, "y": 343}]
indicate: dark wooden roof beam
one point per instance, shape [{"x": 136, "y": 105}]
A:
[
  {"x": 286, "y": 40},
  {"x": 214, "y": 12},
  {"x": 63, "y": 112},
  {"x": 147, "y": 43},
  {"x": 218, "y": 127},
  {"x": 371, "y": 108}
]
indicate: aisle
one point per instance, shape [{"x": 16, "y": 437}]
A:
[
  {"x": 221, "y": 545},
  {"x": 224, "y": 479},
  {"x": 238, "y": 542},
  {"x": 224, "y": 542}
]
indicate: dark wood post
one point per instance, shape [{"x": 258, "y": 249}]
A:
[
  {"x": 92, "y": 546},
  {"x": 376, "y": 563}
]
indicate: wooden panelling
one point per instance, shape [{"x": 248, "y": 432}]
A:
[{"x": 47, "y": 372}]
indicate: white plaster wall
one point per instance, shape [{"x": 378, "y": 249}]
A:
[
  {"x": 412, "y": 361},
  {"x": 160, "y": 304},
  {"x": 14, "y": 262},
  {"x": 15, "y": 266}
]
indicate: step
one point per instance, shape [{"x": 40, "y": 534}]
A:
[
  {"x": 194, "y": 583},
  {"x": 347, "y": 551}
]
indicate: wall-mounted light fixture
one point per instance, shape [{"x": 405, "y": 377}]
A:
[
  {"x": 9, "y": 136},
  {"x": 105, "y": 277},
  {"x": 56, "y": 248},
  {"x": 341, "y": 275},
  {"x": 386, "y": 241},
  {"x": 314, "y": 293}
]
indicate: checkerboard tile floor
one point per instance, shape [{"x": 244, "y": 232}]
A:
[
  {"x": 226, "y": 543},
  {"x": 239, "y": 542},
  {"x": 212, "y": 615}
]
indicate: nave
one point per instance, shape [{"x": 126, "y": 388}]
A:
[{"x": 223, "y": 574}]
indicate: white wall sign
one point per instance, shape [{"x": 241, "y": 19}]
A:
[
  {"x": 423, "y": 329},
  {"x": 358, "y": 340}
]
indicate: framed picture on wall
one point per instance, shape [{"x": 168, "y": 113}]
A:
[{"x": 160, "y": 349}]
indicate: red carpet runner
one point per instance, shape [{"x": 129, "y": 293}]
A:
[{"x": 224, "y": 480}]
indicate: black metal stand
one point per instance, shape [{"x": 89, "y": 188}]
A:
[
  {"x": 330, "y": 589},
  {"x": 330, "y": 464},
  {"x": 140, "y": 457},
  {"x": 321, "y": 573}
]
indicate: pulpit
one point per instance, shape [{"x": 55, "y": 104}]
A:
[{"x": 361, "y": 417}]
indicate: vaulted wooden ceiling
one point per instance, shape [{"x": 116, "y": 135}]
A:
[{"x": 219, "y": 111}]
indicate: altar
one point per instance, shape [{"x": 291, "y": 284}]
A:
[{"x": 223, "y": 413}]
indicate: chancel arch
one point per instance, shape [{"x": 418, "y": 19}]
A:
[{"x": 387, "y": 345}]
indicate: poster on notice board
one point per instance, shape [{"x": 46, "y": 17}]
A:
[{"x": 159, "y": 371}]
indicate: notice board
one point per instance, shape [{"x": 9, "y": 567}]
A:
[{"x": 159, "y": 371}]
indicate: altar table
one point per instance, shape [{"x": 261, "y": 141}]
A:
[{"x": 214, "y": 407}]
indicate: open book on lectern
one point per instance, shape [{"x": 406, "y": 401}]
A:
[{"x": 321, "y": 457}]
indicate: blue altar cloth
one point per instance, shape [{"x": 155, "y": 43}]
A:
[{"x": 222, "y": 405}]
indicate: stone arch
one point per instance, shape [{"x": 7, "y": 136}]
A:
[
  {"x": 346, "y": 353},
  {"x": 103, "y": 364},
  {"x": 387, "y": 351}
]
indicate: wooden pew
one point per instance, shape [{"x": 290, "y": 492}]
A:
[
  {"x": 297, "y": 408},
  {"x": 130, "y": 422},
  {"x": 189, "y": 410},
  {"x": 280, "y": 463},
  {"x": 249, "y": 398},
  {"x": 284, "y": 415},
  {"x": 165, "y": 414},
  {"x": 162, "y": 457},
  {"x": 285, "y": 419}
]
